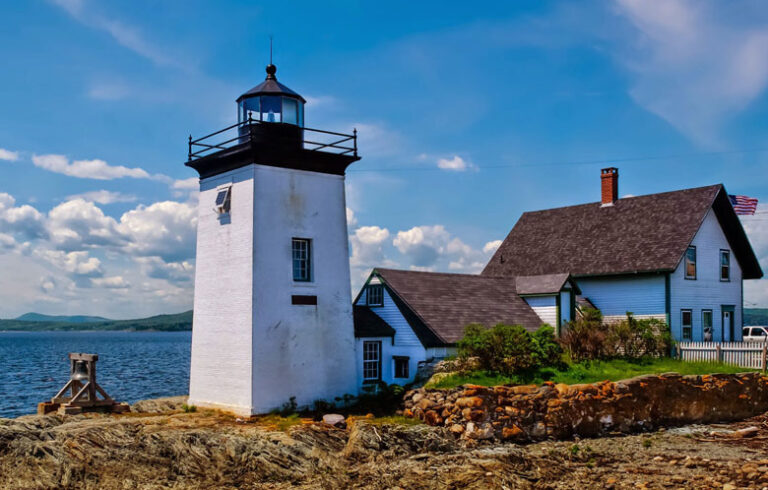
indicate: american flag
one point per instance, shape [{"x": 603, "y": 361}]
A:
[{"x": 744, "y": 205}]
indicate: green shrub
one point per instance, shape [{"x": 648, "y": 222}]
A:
[
  {"x": 546, "y": 349},
  {"x": 632, "y": 338},
  {"x": 188, "y": 408},
  {"x": 589, "y": 338},
  {"x": 586, "y": 338},
  {"x": 510, "y": 349}
]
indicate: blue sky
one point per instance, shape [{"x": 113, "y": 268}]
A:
[{"x": 467, "y": 116}]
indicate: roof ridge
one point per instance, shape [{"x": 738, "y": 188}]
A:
[
  {"x": 437, "y": 273},
  {"x": 656, "y": 194}
]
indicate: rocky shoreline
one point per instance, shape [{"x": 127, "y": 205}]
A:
[
  {"x": 535, "y": 413},
  {"x": 158, "y": 445}
]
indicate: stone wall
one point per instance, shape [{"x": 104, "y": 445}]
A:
[{"x": 559, "y": 411}]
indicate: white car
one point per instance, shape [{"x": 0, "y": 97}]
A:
[{"x": 755, "y": 334}]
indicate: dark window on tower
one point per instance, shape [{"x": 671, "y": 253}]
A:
[
  {"x": 690, "y": 263},
  {"x": 401, "y": 366},
  {"x": 375, "y": 295},
  {"x": 725, "y": 265},
  {"x": 302, "y": 259}
]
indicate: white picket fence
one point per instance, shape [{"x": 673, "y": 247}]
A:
[{"x": 743, "y": 354}]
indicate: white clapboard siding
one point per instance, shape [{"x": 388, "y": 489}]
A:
[
  {"x": 545, "y": 307},
  {"x": 390, "y": 313},
  {"x": 643, "y": 294},
  {"x": 707, "y": 291},
  {"x": 743, "y": 354}
]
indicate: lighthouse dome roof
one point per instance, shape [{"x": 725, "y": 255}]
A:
[{"x": 270, "y": 86}]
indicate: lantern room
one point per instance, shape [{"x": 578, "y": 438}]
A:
[{"x": 271, "y": 102}]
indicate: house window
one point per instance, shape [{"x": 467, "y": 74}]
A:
[
  {"x": 223, "y": 200},
  {"x": 725, "y": 265},
  {"x": 302, "y": 259},
  {"x": 687, "y": 323},
  {"x": 375, "y": 295},
  {"x": 371, "y": 360},
  {"x": 690, "y": 263},
  {"x": 401, "y": 366},
  {"x": 706, "y": 325}
]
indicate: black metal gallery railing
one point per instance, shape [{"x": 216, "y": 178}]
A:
[{"x": 243, "y": 132}]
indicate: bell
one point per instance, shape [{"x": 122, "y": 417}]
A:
[{"x": 80, "y": 371}]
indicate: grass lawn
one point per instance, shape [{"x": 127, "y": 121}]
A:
[{"x": 590, "y": 372}]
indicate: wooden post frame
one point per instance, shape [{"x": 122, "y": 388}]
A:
[{"x": 82, "y": 396}]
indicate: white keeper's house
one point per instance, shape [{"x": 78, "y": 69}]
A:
[{"x": 677, "y": 256}]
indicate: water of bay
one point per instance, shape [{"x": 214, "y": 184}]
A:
[{"x": 132, "y": 365}]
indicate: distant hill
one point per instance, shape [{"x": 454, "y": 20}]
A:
[
  {"x": 755, "y": 316},
  {"x": 39, "y": 317},
  {"x": 162, "y": 323}
]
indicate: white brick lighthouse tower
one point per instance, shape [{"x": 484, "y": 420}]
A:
[{"x": 272, "y": 309}]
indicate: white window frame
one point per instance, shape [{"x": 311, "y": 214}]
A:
[
  {"x": 371, "y": 360},
  {"x": 304, "y": 257},
  {"x": 686, "y": 261},
  {"x": 380, "y": 295},
  {"x": 711, "y": 323},
  {"x": 689, "y": 326},
  {"x": 725, "y": 253}
]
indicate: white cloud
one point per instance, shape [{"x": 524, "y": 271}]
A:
[
  {"x": 103, "y": 197},
  {"x": 79, "y": 224},
  {"x": 456, "y": 164},
  {"x": 756, "y": 291},
  {"x": 190, "y": 184},
  {"x": 7, "y": 155},
  {"x": 491, "y": 247},
  {"x": 75, "y": 263},
  {"x": 7, "y": 243},
  {"x": 692, "y": 66},
  {"x": 24, "y": 221},
  {"x": 112, "y": 282},
  {"x": 351, "y": 219},
  {"x": 89, "y": 169},
  {"x": 47, "y": 284},
  {"x": 367, "y": 246},
  {"x": 434, "y": 248},
  {"x": 422, "y": 244},
  {"x": 175, "y": 272},
  {"x": 165, "y": 229}
]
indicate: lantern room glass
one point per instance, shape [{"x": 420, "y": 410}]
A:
[{"x": 272, "y": 108}]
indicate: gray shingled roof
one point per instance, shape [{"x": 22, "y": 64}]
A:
[
  {"x": 637, "y": 234},
  {"x": 544, "y": 284},
  {"x": 439, "y": 306}
]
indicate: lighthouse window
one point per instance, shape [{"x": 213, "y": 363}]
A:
[
  {"x": 251, "y": 106},
  {"x": 289, "y": 111},
  {"x": 302, "y": 259},
  {"x": 271, "y": 110}
]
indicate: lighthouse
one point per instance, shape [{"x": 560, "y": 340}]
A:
[{"x": 272, "y": 320}]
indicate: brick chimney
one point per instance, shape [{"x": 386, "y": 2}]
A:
[{"x": 609, "y": 183}]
